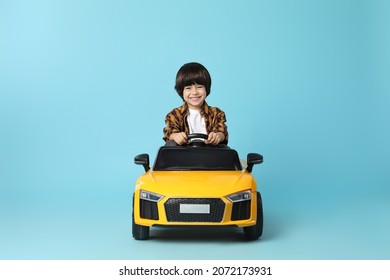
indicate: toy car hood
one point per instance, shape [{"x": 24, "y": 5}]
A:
[{"x": 191, "y": 183}]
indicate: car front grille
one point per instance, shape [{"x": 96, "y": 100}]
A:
[{"x": 172, "y": 210}]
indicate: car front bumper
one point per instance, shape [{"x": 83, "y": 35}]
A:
[{"x": 197, "y": 211}]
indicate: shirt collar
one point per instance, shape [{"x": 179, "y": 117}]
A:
[{"x": 204, "y": 110}]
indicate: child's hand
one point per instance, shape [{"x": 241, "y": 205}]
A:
[
  {"x": 215, "y": 138},
  {"x": 180, "y": 138}
]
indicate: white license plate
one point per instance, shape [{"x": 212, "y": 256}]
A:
[{"x": 194, "y": 209}]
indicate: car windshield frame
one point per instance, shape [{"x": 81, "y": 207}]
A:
[{"x": 185, "y": 158}]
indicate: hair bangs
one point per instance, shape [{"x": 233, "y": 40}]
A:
[{"x": 193, "y": 78}]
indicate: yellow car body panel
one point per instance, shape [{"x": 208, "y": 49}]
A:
[{"x": 196, "y": 184}]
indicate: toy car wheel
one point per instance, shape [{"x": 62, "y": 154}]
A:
[
  {"x": 139, "y": 232},
  {"x": 254, "y": 232}
]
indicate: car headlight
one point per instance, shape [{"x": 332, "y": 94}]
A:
[
  {"x": 241, "y": 196},
  {"x": 150, "y": 196}
]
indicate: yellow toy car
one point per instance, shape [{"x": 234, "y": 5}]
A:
[{"x": 197, "y": 185}]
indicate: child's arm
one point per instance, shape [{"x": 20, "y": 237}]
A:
[
  {"x": 215, "y": 138},
  {"x": 179, "y": 137},
  {"x": 174, "y": 128},
  {"x": 218, "y": 131}
]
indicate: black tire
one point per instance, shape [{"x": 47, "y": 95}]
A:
[
  {"x": 254, "y": 232},
  {"x": 139, "y": 232}
]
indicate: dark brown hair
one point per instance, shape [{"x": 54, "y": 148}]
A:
[{"x": 190, "y": 74}]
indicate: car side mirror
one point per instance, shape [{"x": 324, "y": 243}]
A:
[
  {"x": 253, "y": 159},
  {"x": 142, "y": 159}
]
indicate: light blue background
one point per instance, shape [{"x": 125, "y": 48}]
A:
[{"x": 85, "y": 86}]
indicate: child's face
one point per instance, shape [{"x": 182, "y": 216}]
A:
[{"x": 194, "y": 95}]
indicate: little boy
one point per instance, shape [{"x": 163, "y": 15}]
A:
[{"x": 193, "y": 83}]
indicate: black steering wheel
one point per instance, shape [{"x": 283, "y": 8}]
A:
[{"x": 195, "y": 141}]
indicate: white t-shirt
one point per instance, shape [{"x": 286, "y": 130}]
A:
[{"x": 196, "y": 122}]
